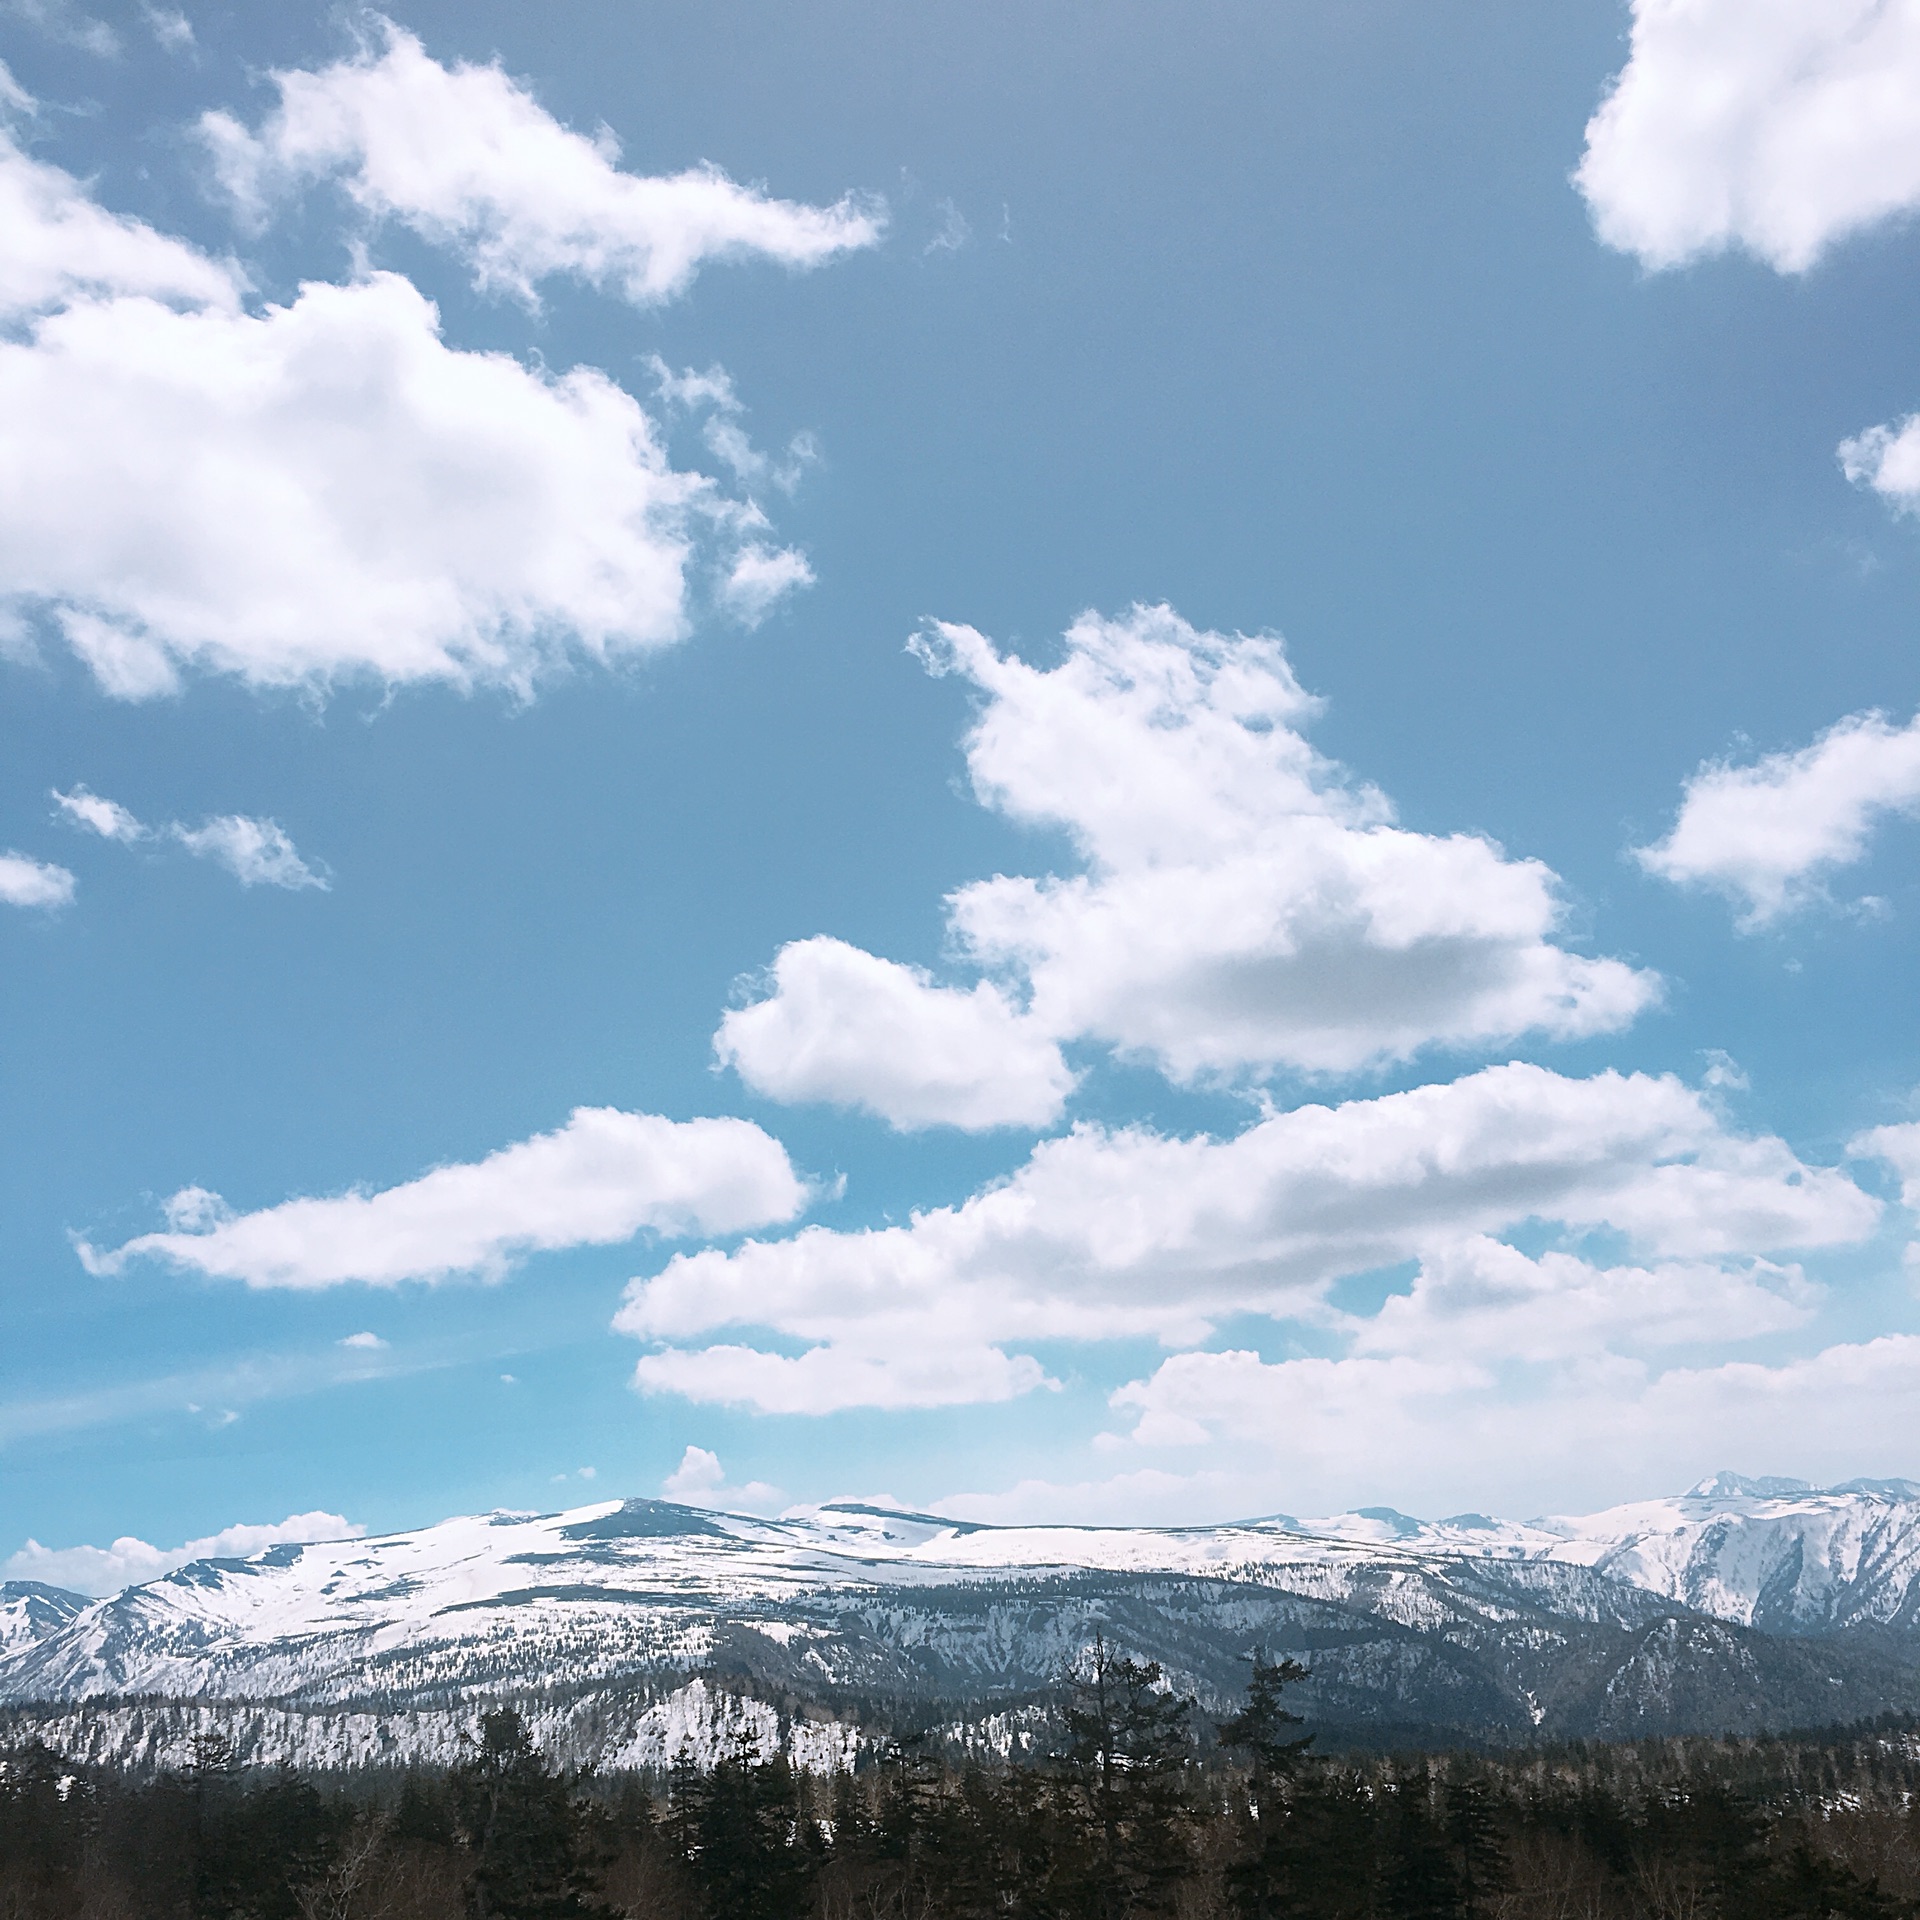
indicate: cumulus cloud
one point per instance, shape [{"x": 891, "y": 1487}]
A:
[
  {"x": 602, "y": 1178},
  {"x": 1769, "y": 833},
  {"x": 468, "y": 159},
  {"x": 1440, "y": 1434},
  {"x": 701, "y": 1481},
  {"x": 841, "y": 1025},
  {"x": 1777, "y": 127},
  {"x": 128, "y": 1562},
  {"x": 356, "y": 501},
  {"x": 1244, "y": 907},
  {"x": 1129, "y": 1234},
  {"x": 258, "y": 853},
  {"x": 33, "y": 883}
]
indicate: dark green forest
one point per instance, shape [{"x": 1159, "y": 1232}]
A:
[{"x": 1141, "y": 1810}]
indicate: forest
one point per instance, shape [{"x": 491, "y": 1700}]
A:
[{"x": 1142, "y": 1809}]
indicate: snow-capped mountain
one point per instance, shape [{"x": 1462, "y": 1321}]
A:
[
  {"x": 1771, "y": 1553},
  {"x": 630, "y": 1629}
]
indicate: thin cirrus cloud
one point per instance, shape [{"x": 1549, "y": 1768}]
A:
[
  {"x": 26, "y": 882},
  {"x": 129, "y": 1561},
  {"x": 1243, "y": 907},
  {"x": 1106, "y": 1235},
  {"x": 363, "y": 502},
  {"x": 470, "y": 160},
  {"x": 1768, "y": 833},
  {"x": 1777, "y": 129},
  {"x": 600, "y": 1179},
  {"x": 258, "y": 853}
]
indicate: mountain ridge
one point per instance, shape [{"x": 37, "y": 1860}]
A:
[{"x": 1742, "y": 1603}]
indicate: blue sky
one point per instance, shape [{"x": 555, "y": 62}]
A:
[{"x": 478, "y": 566}]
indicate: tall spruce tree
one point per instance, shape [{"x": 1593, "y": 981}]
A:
[
  {"x": 1304, "y": 1845},
  {"x": 1473, "y": 1833},
  {"x": 531, "y": 1838},
  {"x": 1130, "y": 1750}
]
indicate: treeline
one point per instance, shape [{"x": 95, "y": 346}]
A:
[{"x": 1131, "y": 1816}]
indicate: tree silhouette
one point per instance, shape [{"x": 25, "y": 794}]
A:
[{"x": 533, "y": 1852}]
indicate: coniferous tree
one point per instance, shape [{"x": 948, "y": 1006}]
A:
[
  {"x": 1419, "y": 1880},
  {"x": 743, "y": 1826},
  {"x": 1128, "y": 1751},
  {"x": 1473, "y": 1833},
  {"x": 531, "y": 1839}
]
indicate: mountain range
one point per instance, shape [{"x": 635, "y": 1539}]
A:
[{"x": 629, "y": 1631}]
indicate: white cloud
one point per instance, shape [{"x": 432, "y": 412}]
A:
[
  {"x": 1887, "y": 459},
  {"x": 760, "y": 578},
  {"x": 256, "y": 852},
  {"x": 1774, "y": 126},
  {"x": 63, "y": 22},
  {"x": 701, "y": 1481},
  {"x": 361, "y": 501},
  {"x": 1438, "y": 1435},
  {"x": 602, "y": 1178},
  {"x": 108, "y": 818},
  {"x": 128, "y": 1562},
  {"x": 62, "y": 246},
  {"x": 469, "y": 159},
  {"x": 1768, "y": 833},
  {"x": 712, "y": 393},
  {"x": 169, "y": 27},
  {"x": 1481, "y": 1298},
  {"x": 33, "y": 883},
  {"x": 843, "y": 1026},
  {"x": 1246, "y": 908},
  {"x": 1107, "y": 1235},
  {"x": 370, "y": 1342}
]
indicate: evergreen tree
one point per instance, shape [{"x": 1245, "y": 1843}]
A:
[
  {"x": 1479, "y": 1857},
  {"x": 1128, "y": 1751},
  {"x": 531, "y": 1839},
  {"x": 1260, "y": 1728},
  {"x": 1420, "y": 1881},
  {"x": 739, "y": 1826}
]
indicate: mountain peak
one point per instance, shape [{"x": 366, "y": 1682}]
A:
[{"x": 1747, "y": 1486}]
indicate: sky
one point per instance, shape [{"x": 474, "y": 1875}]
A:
[{"x": 1068, "y": 763}]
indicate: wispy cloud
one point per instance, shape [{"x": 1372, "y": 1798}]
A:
[
  {"x": 256, "y": 852},
  {"x": 468, "y": 159}
]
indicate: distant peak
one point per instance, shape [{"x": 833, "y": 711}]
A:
[
  {"x": 1745, "y": 1486},
  {"x": 1401, "y": 1523},
  {"x": 1886, "y": 1489}
]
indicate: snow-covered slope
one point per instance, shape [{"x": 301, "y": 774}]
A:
[
  {"x": 1770, "y": 1553},
  {"x": 627, "y": 1627},
  {"x": 29, "y": 1612}
]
